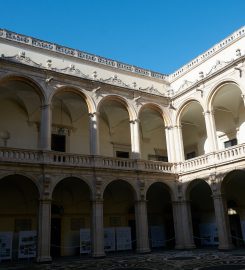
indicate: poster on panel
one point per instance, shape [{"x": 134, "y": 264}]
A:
[
  {"x": 27, "y": 244},
  {"x": 158, "y": 236},
  {"x": 208, "y": 234},
  {"x": 85, "y": 241},
  {"x": 6, "y": 245},
  {"x": 109, "y": 239},
  {"x": 123, "y": 238}
]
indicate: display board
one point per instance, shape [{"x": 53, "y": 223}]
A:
[
  {"x": 158, "y": 236},
  {"x": 6, "y": 245},
  {"x": 109, "y": 239},
  {"x": 123, "y": 238},
  {"x": 85, "y": 241},
  {"x": 208, "y": 234},
  {"x": 27, "y": 244},
  {"x": 243, "y": 228}
]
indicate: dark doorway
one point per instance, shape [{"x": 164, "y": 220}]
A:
[
  {"x": 55, "y": 237},
  {"x": 58, "y": 143},
  {"x": 236, "y": 232},
  {"x": 131, "y": 224}
]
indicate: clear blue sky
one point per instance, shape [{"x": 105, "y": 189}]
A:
[{"x": 160, "y": 35}]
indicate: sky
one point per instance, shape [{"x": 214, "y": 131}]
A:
[{"x": 160, "y": 35}]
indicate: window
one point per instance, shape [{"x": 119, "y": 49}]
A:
[
  {"x": 58, "y": 143},
  {"x": 230, "y": 143},
  {"x": 191, "y": 155},
  {"x": 158, "y": 158},
  {"x": 122, "y": 154}
]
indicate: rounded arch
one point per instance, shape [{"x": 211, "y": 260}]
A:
[
  {"x": 29, "y": 81},
  {"x": 183, "y": 106},
  {"x": 190, "y": 185},
  {"x": 125, "y": 181},
  {"x": 26, "y": 176},
  {"x": 76, "y": 178},
  {"x": 231, "y": 176},
  {"x": 215, "y": 89},
  {"x": 169, "y": 188},
  {"x": 77, "y": 91},
  {"x": 121, "y": 100},
  {"x": 157, "y": 108}
]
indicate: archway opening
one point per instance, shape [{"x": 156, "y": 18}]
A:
[
  {"x": 233, "y": 187},
  {"x": 193, "y": 130},
  {"x": 203, "y": 216},
  {"x": 160, "y": 216},
  {"x": 119, "y": 217},
  {"x": 18, "y": 217},
  {"x": 19, "y": 114},
  {"x": 153, "y": 139},
  {"x": 70, "y": 123},
  {"x": 229, "y": 115},
  {"x": 70, "y": 220},
  {"x": 114, "y": 129}
]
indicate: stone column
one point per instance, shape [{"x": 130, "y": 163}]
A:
[
  {"x": 45, "y": 127},
  {"x": 97, "y": 235},
  {"x": 135, "y": 139},
  {"x": 222, "y": 221},
  {"x": 178, "y": 229},
  {"x": 44, "y": 231},
  {"x": 94, "y": 133},
  {"x": 179, "y": 147},
  {"x": 142, "y": 238},
  {"x": 170, "y": 143},
  {"x": 211, "y": 131}
]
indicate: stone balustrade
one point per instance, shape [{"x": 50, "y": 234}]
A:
[{"x": 234, "y": 153}]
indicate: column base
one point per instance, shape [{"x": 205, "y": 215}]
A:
[
  {"x": 141, "y": 251},
  {"x": 44, "y": 259},
  {"x": 99, "y": 255}
]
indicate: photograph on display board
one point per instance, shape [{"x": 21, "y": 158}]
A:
[
  {"x": 27, "y": 244},
  {"x": 6, "y": 245},
  {"x": 109, "y": 239},
  {"x": 85, "y": 241},
  {"x": 123, "y": 238}
]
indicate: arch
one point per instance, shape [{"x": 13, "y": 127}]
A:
[
  {"x": 134, "y": 191},
  {"x": 76, "y": 90},
  {"x": 183, "y": 106},
  {"x": 167, "y": 185},
  {"x": 191, "y": 185},
  {"x": 28, "y": 80},
  {"x": 213, "y": 92},
  {"x": 72, "y": 177},
  {"x": 123, "y": 101},
  {"x": 157, "y": 108},
  {"x": 26, "y": 176},
  {"x": 228, "y": 177}
]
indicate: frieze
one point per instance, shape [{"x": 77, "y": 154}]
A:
[
  {"x": 185, "y": 85},
  {"x": 79, "y": 54},
  {"x": 114, "y": 80},
  {"x": 150, "y": 90},
  {"x": 218, "y": 65}
]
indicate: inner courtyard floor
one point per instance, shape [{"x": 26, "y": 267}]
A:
[{"x": 199, "y": 259}]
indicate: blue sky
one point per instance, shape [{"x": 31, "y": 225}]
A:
[{"x": 158, "y": 35}]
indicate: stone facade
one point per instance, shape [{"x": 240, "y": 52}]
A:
[{"x": 91, "y": 143}]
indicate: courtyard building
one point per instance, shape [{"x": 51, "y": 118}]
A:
[{"x": 99, "y": 156}]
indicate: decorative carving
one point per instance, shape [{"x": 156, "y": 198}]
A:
[
  {"x": 115, "y": 81},
  {"x": 1, "y": 33},
  {"x": 218, "y": 65},
  {"x": 150, "y": 90},
  {"x": 73, "y": 70},
  {"x": 185, "y": 85}
]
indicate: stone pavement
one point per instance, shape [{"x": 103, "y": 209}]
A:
[{"x": 202, "y": 259}]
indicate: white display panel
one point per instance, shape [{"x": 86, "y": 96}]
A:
[
  {"x": 109, "y": 239},
  {"x": 27, "y": 244},
  {"x": 85, "y": 241},
  {"x": 6, "y": 239},
  {"x": 123, "y": 238},
  {"x": 208, "y": 234},
  {"x": 158, "y": 236}
]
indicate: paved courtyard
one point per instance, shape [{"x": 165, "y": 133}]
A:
[{"x": 164, "y": 260}]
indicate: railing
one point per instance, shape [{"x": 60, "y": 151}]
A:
[{"x": 231, "y": 154}]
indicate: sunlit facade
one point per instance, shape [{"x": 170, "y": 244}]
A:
[{"x": 92, "y": 149}]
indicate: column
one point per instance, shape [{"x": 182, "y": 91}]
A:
[
  {"x": 135, "y": 139},
  {"x": 45, "y": 128},
  {"x": 211, "y": 131},
  {"x": 97, "y": 235},
  {"x": 170, "y": 143},
  {"x": 222, "y": 221},
  {"x": 178, "y": 230},
  {"x": 142, "y": 239},
  {"x": 94, "y": 133},
  {"x": 44, "y": 231},
  {"x": 178, "y": 142}
]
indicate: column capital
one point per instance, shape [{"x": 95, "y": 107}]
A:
[
  {"x": 97, "y": 201},
  {"x": 45, "y": 106},
  {"x": 92, "y": 114},
  {"x": 168, "y": 127},
  {"x": 208, "y": 112},
  {"x": 137, "y": 120},
  {"x": 178, "y": 126}
]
